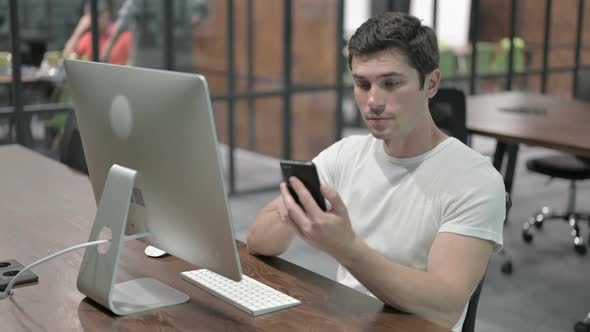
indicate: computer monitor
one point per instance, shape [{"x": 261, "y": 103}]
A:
[{"x": 159, "y": 124}]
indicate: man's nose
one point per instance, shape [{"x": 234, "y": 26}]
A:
[{"x": 375, "y": 102}]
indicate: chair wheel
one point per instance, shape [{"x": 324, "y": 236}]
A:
[
  {"x": 581, "y": 327},
  {"x": 527, "y": 237},
  {"x": 538, "y": 225},
  {"x": 580, "y": 249},
  {"x": 506, "y": 267}
]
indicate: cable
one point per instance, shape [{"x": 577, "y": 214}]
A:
[{"x": 9, "y": 292}]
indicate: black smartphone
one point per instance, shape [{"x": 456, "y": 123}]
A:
[
  {"x": 9, "y": 269},
  {"x": 308, "y": 174}
]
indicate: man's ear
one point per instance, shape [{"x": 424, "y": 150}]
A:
[{"x": 432, "y": 83}]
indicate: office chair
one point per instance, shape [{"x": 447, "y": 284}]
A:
[
  {"x": 583, "y": 92},
  {"x": 584, "y": 325},
  {"x": 567, "y": 167},
  {"x": 71, "y": 151},
  {"x": 469, "y": 322},
  {"x": 449, "y": 112}
]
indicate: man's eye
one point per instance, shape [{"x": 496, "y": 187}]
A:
[
  {"x": 391, "y": 84},
  {"x": 363, "y": 86}
]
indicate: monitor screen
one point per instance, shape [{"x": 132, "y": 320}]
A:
[{"x": 160, "y": 124}]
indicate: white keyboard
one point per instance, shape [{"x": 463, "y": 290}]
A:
[{"x": 248, "y": 294}]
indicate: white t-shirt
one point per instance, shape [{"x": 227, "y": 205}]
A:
[{"x": 398, "y": 205}]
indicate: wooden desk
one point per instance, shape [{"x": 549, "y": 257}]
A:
[
  {"x": 7, "y": 79},
  {"x": 45, "y": 207},
  {"x": 519, "y": 117}
]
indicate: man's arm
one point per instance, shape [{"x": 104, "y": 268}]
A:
[
  {"x": 270, "y": 233},
  {"x": 456, "y": 263}
]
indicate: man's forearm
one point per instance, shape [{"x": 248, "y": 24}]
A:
[
  {"x": 267, "y": 235},
  {"x": 404, "y": 288}
]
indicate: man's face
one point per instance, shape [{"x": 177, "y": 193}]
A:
[{"x": 387, "y": 92}]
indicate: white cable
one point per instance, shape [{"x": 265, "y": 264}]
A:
[{"x": 8, "y": 291}]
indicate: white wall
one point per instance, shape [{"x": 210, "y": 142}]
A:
[
  {"x": 452, "y": 19},
  {"x": 355, "y": 13},
  {"x": 422, "y": 9}
]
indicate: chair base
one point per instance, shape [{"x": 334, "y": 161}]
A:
[
  {"x": 583, "y": 326},
  {"x": 571, "y": 217}
]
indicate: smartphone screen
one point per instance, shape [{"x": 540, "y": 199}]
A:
[{"x": 308, "y": 174}]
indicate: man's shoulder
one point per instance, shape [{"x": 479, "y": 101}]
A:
[
  {"x": 463, "y": 164},
  {"x": 460, "y": 155}
]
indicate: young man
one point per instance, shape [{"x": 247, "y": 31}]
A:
[{"x": 415, "y": 215}]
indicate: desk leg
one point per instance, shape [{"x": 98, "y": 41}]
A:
[{"x": 27, "y": 134}]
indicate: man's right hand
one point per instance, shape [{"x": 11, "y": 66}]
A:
[{"x": 271, "y": 231}]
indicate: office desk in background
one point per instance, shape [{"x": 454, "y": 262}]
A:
[
  {"x": 35, "y": 90},
  {"x": 539, "y": 120},
  {"x": 46, "y": 207},
  {"x": 43, "y": 84}
]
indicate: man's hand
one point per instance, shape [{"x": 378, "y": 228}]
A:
[
  {"x": 285, "y": 218},
  {"x": 328, "y": 231}
]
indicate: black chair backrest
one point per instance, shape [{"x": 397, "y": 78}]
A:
[
  {"x": 583, "y": 86},
  {"x": 449, "y": 112},
  {"x": 469, "y": 322},
  {"x": 71, "y": 151}
]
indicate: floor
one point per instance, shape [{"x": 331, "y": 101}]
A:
[{"x": 549, "y": 289}]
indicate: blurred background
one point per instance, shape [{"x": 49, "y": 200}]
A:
[{"x": 277, "y": 70}]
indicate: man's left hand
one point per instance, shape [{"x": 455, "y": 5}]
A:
[{"x": 329, "y": 231}]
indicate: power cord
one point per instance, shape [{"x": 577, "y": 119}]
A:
[{"x": 8, "y": 292}]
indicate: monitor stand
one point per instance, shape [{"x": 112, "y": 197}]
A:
[{"x": 98, "y": 271}]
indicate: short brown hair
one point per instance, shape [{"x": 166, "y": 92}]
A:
[{"x": 401, "y": 31}]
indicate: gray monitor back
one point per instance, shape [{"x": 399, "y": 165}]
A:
[{"x": 161, "y": 124}]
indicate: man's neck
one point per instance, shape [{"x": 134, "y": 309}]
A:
[{"x": 416, "y": 143}]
